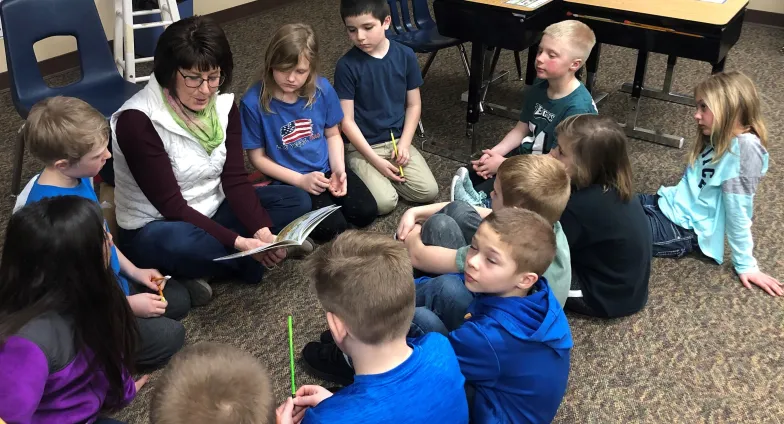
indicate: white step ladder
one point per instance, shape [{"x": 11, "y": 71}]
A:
[{"x": 124, "y": 54}]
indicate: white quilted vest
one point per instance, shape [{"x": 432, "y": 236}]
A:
[{"x": 197, "y": 173}]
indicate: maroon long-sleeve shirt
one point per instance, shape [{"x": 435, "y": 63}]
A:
[{"x": 151, "y": 167}]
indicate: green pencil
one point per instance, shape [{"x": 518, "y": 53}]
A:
[{"x": 291, "y": 356}]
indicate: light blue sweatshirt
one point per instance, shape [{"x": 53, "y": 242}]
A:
[{"x": 717, "y": 198}]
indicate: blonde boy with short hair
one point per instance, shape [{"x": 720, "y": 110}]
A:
[
  {"x": 212, "y": 383},
  {"x": 556, "y": 94}
]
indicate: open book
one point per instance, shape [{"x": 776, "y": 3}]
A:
[{"x": 293, "y": 234}]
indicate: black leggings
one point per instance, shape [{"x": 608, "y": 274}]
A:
[{"x": 578, "y": 304}]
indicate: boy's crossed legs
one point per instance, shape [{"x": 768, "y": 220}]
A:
[{"x": 420, "y": 185}]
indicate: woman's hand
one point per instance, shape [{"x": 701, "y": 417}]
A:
[
  {"x": 270, "y": 257},
  {"x": 314, "y": 183}
]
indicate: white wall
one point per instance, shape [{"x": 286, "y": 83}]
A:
[
  {"x": 775, "y": 6},
  {"x": 57, "y": 46}
]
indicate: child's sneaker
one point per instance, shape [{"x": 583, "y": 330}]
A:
[
  {"x": 199, "y": 289},
  {"x": 327, "y": 362},
  {"x": 463, "y": 190},
  {"x": 299, "y": 252}
]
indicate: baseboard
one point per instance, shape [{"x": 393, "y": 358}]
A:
[
  {"x": 765, "y": 18},
  {"x": 71, "y": 60}
]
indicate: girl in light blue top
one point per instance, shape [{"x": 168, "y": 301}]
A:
[{"x": 715, "y": 197}]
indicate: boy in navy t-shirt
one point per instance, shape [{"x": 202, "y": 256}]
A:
[
  {"x": 363, "y": 281},
  {"x": 378, "y": 82},
  {"x": 71, "y": 138},
  {"x": 556, "y": 94}
]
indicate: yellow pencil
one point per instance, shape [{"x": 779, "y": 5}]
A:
[{"x": 394, "y": 147}]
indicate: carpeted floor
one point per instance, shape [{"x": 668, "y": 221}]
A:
[{"x": 703, "y": 350}]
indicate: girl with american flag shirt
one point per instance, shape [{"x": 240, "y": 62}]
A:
[{"x": 290, "y": 132}]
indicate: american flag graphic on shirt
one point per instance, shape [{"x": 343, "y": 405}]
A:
[{"x": 295, "y": 130}]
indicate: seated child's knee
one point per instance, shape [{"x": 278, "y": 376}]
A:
[
  {"x": 386, "y": 202},
  {"x": 439, "y": 224}
]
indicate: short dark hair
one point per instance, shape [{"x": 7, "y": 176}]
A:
[
  {"x": 379, "y": 9},
  {"x": 196, "y": 41}
]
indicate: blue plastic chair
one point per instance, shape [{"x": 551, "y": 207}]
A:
[
  {"x": 421, "y": 35},
  {"x": 27, "y": 21}
]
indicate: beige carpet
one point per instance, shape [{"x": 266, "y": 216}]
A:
[{"x": 704, "y": 349}]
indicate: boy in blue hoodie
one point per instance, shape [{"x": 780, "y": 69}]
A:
[{"x": 510, "y": 335}]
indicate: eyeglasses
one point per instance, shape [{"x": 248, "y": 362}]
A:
[{"x": 196, "y": 81}]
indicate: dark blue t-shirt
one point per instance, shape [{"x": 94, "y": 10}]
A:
[
  {"x": 293, "y": 134},
  {"x": 378, "y": 88},
  {"x": 83, "y": 189},
  {"x": 427, "y": 388}
]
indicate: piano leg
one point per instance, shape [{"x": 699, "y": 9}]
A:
[
  {"x": 592, "y": 68},
  {"x": 665, "y": 93},
  {"x": 718, "y": 66},
  {"x": 530, "y": 66},
  {"x": 630, "y": 127},
  {"x": 474, "y": 94}
]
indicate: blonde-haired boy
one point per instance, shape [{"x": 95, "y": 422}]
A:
[
  {"x": 537, "y": 183},
  {"x": 71, "y": 138},
  {"x": 212, "y": 383},
  {"x": 555, "y": 94},
  {"x": 363, "y": 281}
]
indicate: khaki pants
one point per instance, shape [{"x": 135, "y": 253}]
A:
[{"x": 420, "y": 185}]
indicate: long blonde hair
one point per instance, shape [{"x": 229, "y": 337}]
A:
[
  {"x": 290, "y": 43},
  {"x": 732, "y": 98}
]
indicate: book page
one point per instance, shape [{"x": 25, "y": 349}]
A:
[{"x": 293, "y": 234}]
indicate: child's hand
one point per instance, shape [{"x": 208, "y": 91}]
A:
[
  {"x": 488, "y": 164},
  {"x": 288, "y": 413},
  {"x": 314, "y": 183},
  {"x": 147, "y": 305},
  {"x": 414, "y": 236},
  {"x": 764, "y": 281},
  {"x": 309, "y": 396},
  {"x": 151, "y": 278},
  {"x": 407, "y": 223},
  {"x": 141, "y": 382},
  {"x": 338, "y": 184},
  {"x": 403, "y": 153},
  {"x": 387, "y": 169}
]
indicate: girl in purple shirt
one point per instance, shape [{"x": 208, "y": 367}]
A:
[{"x": 67, "y": 335}]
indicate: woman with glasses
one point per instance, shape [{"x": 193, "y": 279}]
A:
[{"x": 182, "y": 193}]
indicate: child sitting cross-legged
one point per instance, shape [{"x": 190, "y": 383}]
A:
[
  {"x": 363, "y": 281},
  {"x": 534, "y": 182},
  {"x": 510, "y": 335}
]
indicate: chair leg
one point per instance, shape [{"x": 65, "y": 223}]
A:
[
  {"x": 16, "y": 177},
  {"x": 519, "y": 65},
  {"x": 421, "y": 130},
  {"x": 464, "y": 58},
  {"x": 428, "y": 63},
  {"x": 493, "y": 64}
]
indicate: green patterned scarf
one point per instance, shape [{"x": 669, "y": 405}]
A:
[{"x": 204, "y": 125}]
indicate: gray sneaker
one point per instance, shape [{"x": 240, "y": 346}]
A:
[
  {"x": 459, "y": 179},
  {"x": 298, "y": 252},
  {"x": 199, "y": 289}
]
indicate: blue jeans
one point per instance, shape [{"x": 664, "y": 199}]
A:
[
  {"x": 669, "y": 240},
  {"x": 452, "y": 227},
  {"x": 441, "y": 303},
  {"x": 184, "y": 250}
]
